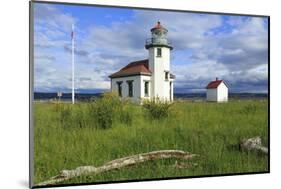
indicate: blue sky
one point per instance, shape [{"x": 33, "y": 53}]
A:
[{"x": 233, "y": 48}]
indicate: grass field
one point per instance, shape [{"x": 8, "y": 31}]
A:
[{"x": 68, "y": 136}]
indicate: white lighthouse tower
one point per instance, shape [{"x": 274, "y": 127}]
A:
[
  {"x": 159, "y": 63},
  {"x": 149, "y": 78}
]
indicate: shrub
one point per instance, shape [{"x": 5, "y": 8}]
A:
[
  {"x": 156, "y": 108},
  {"x": 103, "y": 110},
  {"x": 99, "y": 112},
  {"x": 109, "y": 108}
]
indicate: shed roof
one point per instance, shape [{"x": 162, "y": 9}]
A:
[
  {"x": 134, "y": 68},
  {"x": 215, "y": 84}
]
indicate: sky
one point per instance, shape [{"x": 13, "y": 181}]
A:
[{"x": 206, "y": 46}]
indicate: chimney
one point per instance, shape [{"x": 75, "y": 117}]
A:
[{"x": 217, "y": 78}]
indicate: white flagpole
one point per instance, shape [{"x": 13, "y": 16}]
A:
[{"x": 73, "y": 93}]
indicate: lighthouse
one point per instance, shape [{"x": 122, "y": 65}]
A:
[
  {"x": 159, "y": 50},
  {"x": 151, "y": 77}
]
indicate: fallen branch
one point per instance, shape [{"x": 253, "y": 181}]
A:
[
  {"x": 65, "y": 175},
  {"x": 253, "y": 144}
]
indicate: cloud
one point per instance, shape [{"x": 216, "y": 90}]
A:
[
  {"x": 52, "y": 17},
  {"x": 239, "y": 56},
  {"x": 51, "y": 30},
  {"x": 68, "y": 48},
  {"x": 43, "y": 56},
  {"x": 186, "y": 30},
  {"x": 206, "y": 46}
]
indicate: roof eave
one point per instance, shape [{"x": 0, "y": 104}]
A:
[
  {"x": 211, "y": 87},
  {"x": 225, "y": 83},
  {"x": 222, "y": 81},
  {"x": 129, "y": 74}
]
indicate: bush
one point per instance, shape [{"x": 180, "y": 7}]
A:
[
  {"x": 99, "y": 113},
  {"x": 109, "y": 108},
  {"x": 156, "y": 108},
  {"x": 103, "y": 110}
]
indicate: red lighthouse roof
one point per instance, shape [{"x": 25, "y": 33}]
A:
[{"x": 158, "y": 26}]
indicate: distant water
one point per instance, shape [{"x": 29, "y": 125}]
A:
[
  {"x": 184, "y": 96},
  {"x": 201, "y": 96},
  {"x": 65, "y": 96}
]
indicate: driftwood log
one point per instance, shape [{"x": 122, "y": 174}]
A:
[
  {"x": 253, "y": 144},
  {"x": 65, "y": 175}
]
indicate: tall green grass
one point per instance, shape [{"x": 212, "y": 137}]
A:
[{"x": 68, "y": 136}]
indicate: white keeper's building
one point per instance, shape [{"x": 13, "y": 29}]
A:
[{"x": 149, "y": 78}]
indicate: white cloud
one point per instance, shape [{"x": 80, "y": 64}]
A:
[
  {"x": 202, "y": 49},
  {"x": 52, "y": 17}
]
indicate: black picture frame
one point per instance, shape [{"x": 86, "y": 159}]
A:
[{"x": 31, "y": 92}]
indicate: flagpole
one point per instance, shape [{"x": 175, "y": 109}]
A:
[{"x": 72, "y": 37}]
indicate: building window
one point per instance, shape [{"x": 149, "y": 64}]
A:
[
  {"x": 159, "y": 52},
  {"x": 119, "y": 84},
  {"x": 146, "y": 87},
  {"x": 130, "y": 88},
  {"x": 166, "y": 75}
]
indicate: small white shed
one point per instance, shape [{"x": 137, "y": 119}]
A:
[{"x": 217, "y": 91}]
